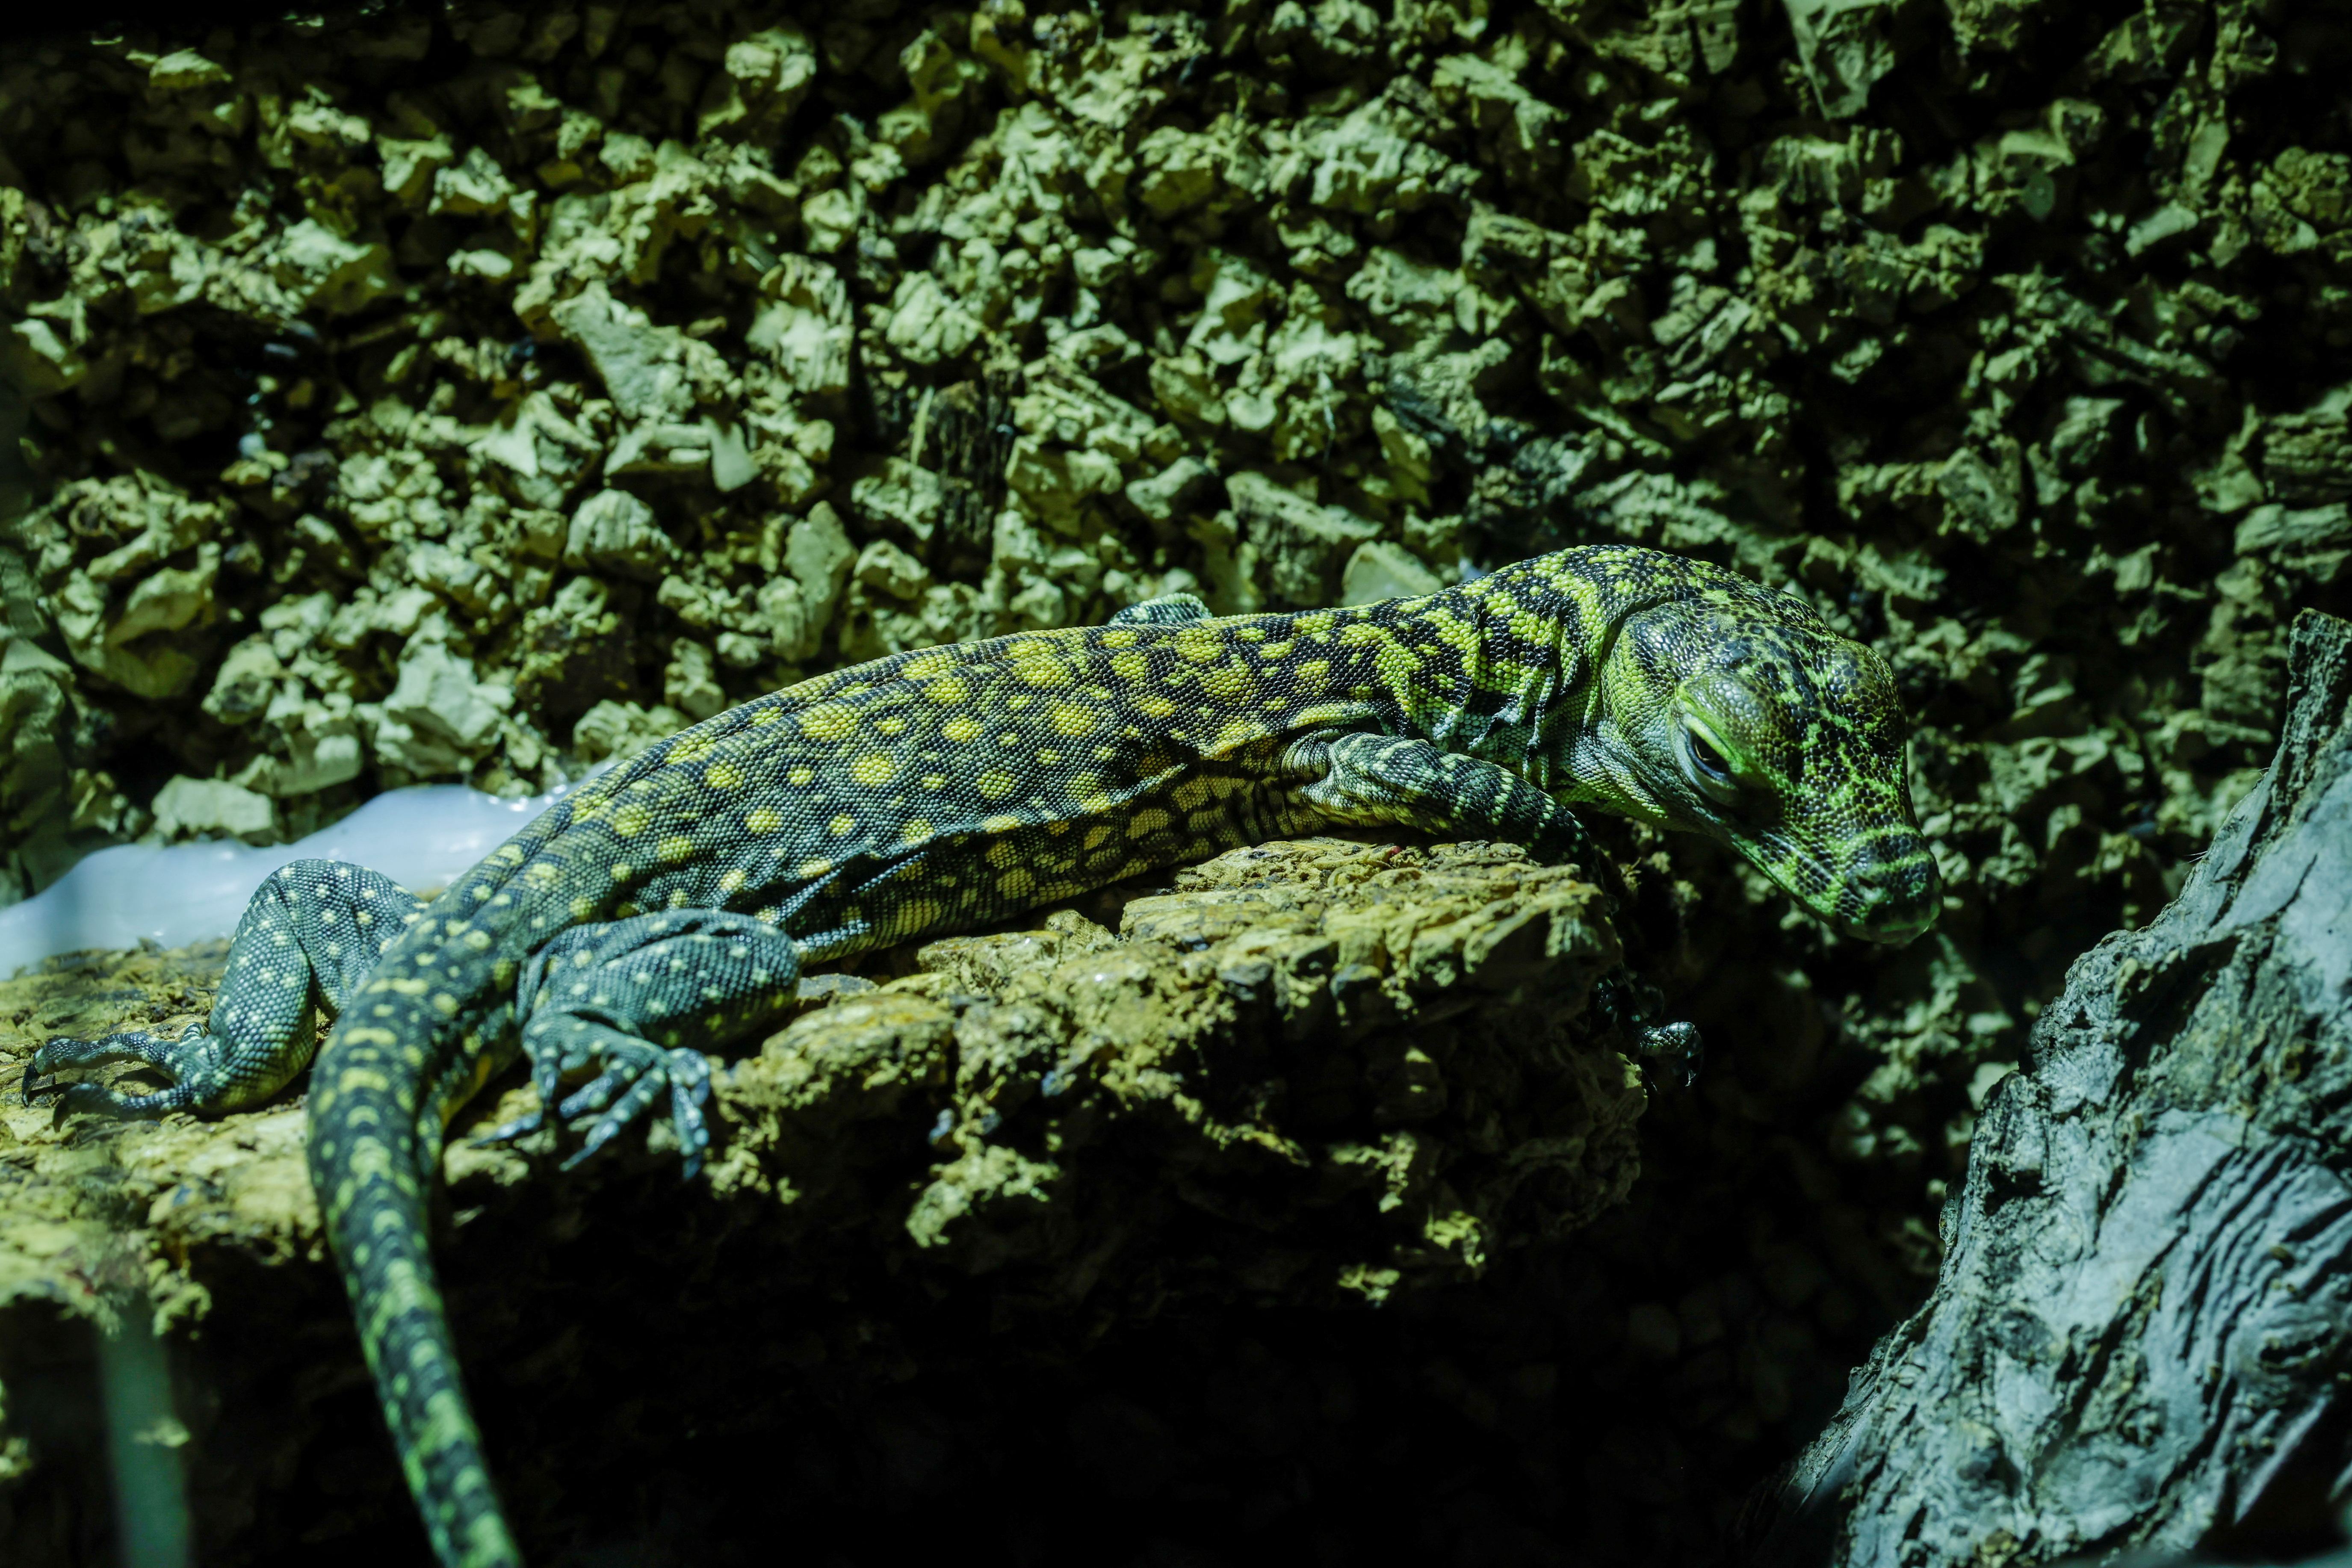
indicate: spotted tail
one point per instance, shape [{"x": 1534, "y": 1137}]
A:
[{"x": 376, "y": 1112}]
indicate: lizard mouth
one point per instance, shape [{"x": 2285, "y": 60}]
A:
[{"x": 1877, "y": 896}]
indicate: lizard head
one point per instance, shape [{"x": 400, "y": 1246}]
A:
[{"x": 1741, "y": 716}]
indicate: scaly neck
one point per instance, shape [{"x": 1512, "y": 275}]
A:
[{"x": 1496, "y": 676}]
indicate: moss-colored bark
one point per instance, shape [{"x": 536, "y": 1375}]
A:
[{"x": 1310, "y": 1074}]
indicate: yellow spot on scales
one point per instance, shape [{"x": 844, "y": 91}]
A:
[
  {"x": 829, "y": 721},
  {"x": 841, "y": 825},
  {"x": 1003, "y": 822},
  {"x": 916, "y": 830},
  {"x": 874, "y": 770},
  {"x": 995, "y": 783},
  {"x": 1227, "y": 681},
  {"x": 960, "y": 728},
  {"x": 916, "y": 914},
  {"x": 949, "y": 691},
  {"x": 1071, "y": 719},
  {"x": 398, "y": 987},
  {"x": 929, "y": 665},
  {"x": 676, "y": 846},
  {"x": 1237, "y": 733},
  {"x": 722, "y": 775},
  {"x": 732, "y": 881},
  {"x": 1148, "y": 820},
  {"x": 1041, "y": 670},
  {"x": 631, "y": 819},
  {"x": 1457, "y": 632},
  {"x": 801, "y": 777},
  {"x": 810, "y": 870},
  {"x": 762, "y": 819},
  {"x": 1130, "y": 666}
]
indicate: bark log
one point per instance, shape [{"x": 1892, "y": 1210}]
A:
[{"x": 2141, "y": 1336}]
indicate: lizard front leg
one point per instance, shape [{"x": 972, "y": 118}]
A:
[
  {"x": 1388, "y": 778},
  {"x": 1397, "y": 781},
  {"x": 309, "y": 935}
]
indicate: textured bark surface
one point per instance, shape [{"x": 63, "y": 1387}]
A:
[
  {"x": 967, "y": 1212},
  {"x": 2143, "y": 1329}
]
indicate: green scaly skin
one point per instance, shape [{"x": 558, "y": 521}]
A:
[{"x": 671, "y": 904}]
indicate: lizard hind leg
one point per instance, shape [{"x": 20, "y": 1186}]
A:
[
  {"x": 309, "y": 934},
  {"x": 634, "y": 1000}
]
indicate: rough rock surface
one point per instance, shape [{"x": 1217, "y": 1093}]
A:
[
  {"x": 2143, "y": 1329},
  {"x": 1311, "y": 1074}
]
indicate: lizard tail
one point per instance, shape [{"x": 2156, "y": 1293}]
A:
[{"x": 370, "y": 1158}]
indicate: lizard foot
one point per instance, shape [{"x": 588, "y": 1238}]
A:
[
  {"x": 1672, "y": 1050},
  {"x": 597, "y": 997},
  {"x": 1670, "y": 1054},
  {"x": 192, "y": 1061},
  {"x": 634, "y": 1074}
]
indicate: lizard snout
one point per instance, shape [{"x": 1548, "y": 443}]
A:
[{"x": 1892, "y": 891}]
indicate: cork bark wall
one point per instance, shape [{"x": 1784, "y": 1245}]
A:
[{"x": 477, "y": 393}]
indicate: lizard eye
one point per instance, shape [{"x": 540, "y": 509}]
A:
[
  {"x": 1710, "y": 761},
  {"x": 1709, "y": 770}
]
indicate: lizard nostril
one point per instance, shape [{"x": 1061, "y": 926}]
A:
[{"x": 1896, "y": 885}]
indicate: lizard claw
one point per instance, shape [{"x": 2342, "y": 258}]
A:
[{"x": 508, "y": 1132}]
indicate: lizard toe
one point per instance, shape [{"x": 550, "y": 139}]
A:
[
  {"x": 508, "y": 1132},
  {"x": 185, "y": 1059},
  {"x": 636, "y": 1074}
]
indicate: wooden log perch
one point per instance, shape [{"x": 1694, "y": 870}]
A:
[{"x": 2141, "y": 1337}]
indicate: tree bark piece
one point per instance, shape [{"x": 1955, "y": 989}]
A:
[
  {"x": 2142, "y": 1333},
  {"x": 1304, "y": 1075}
]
